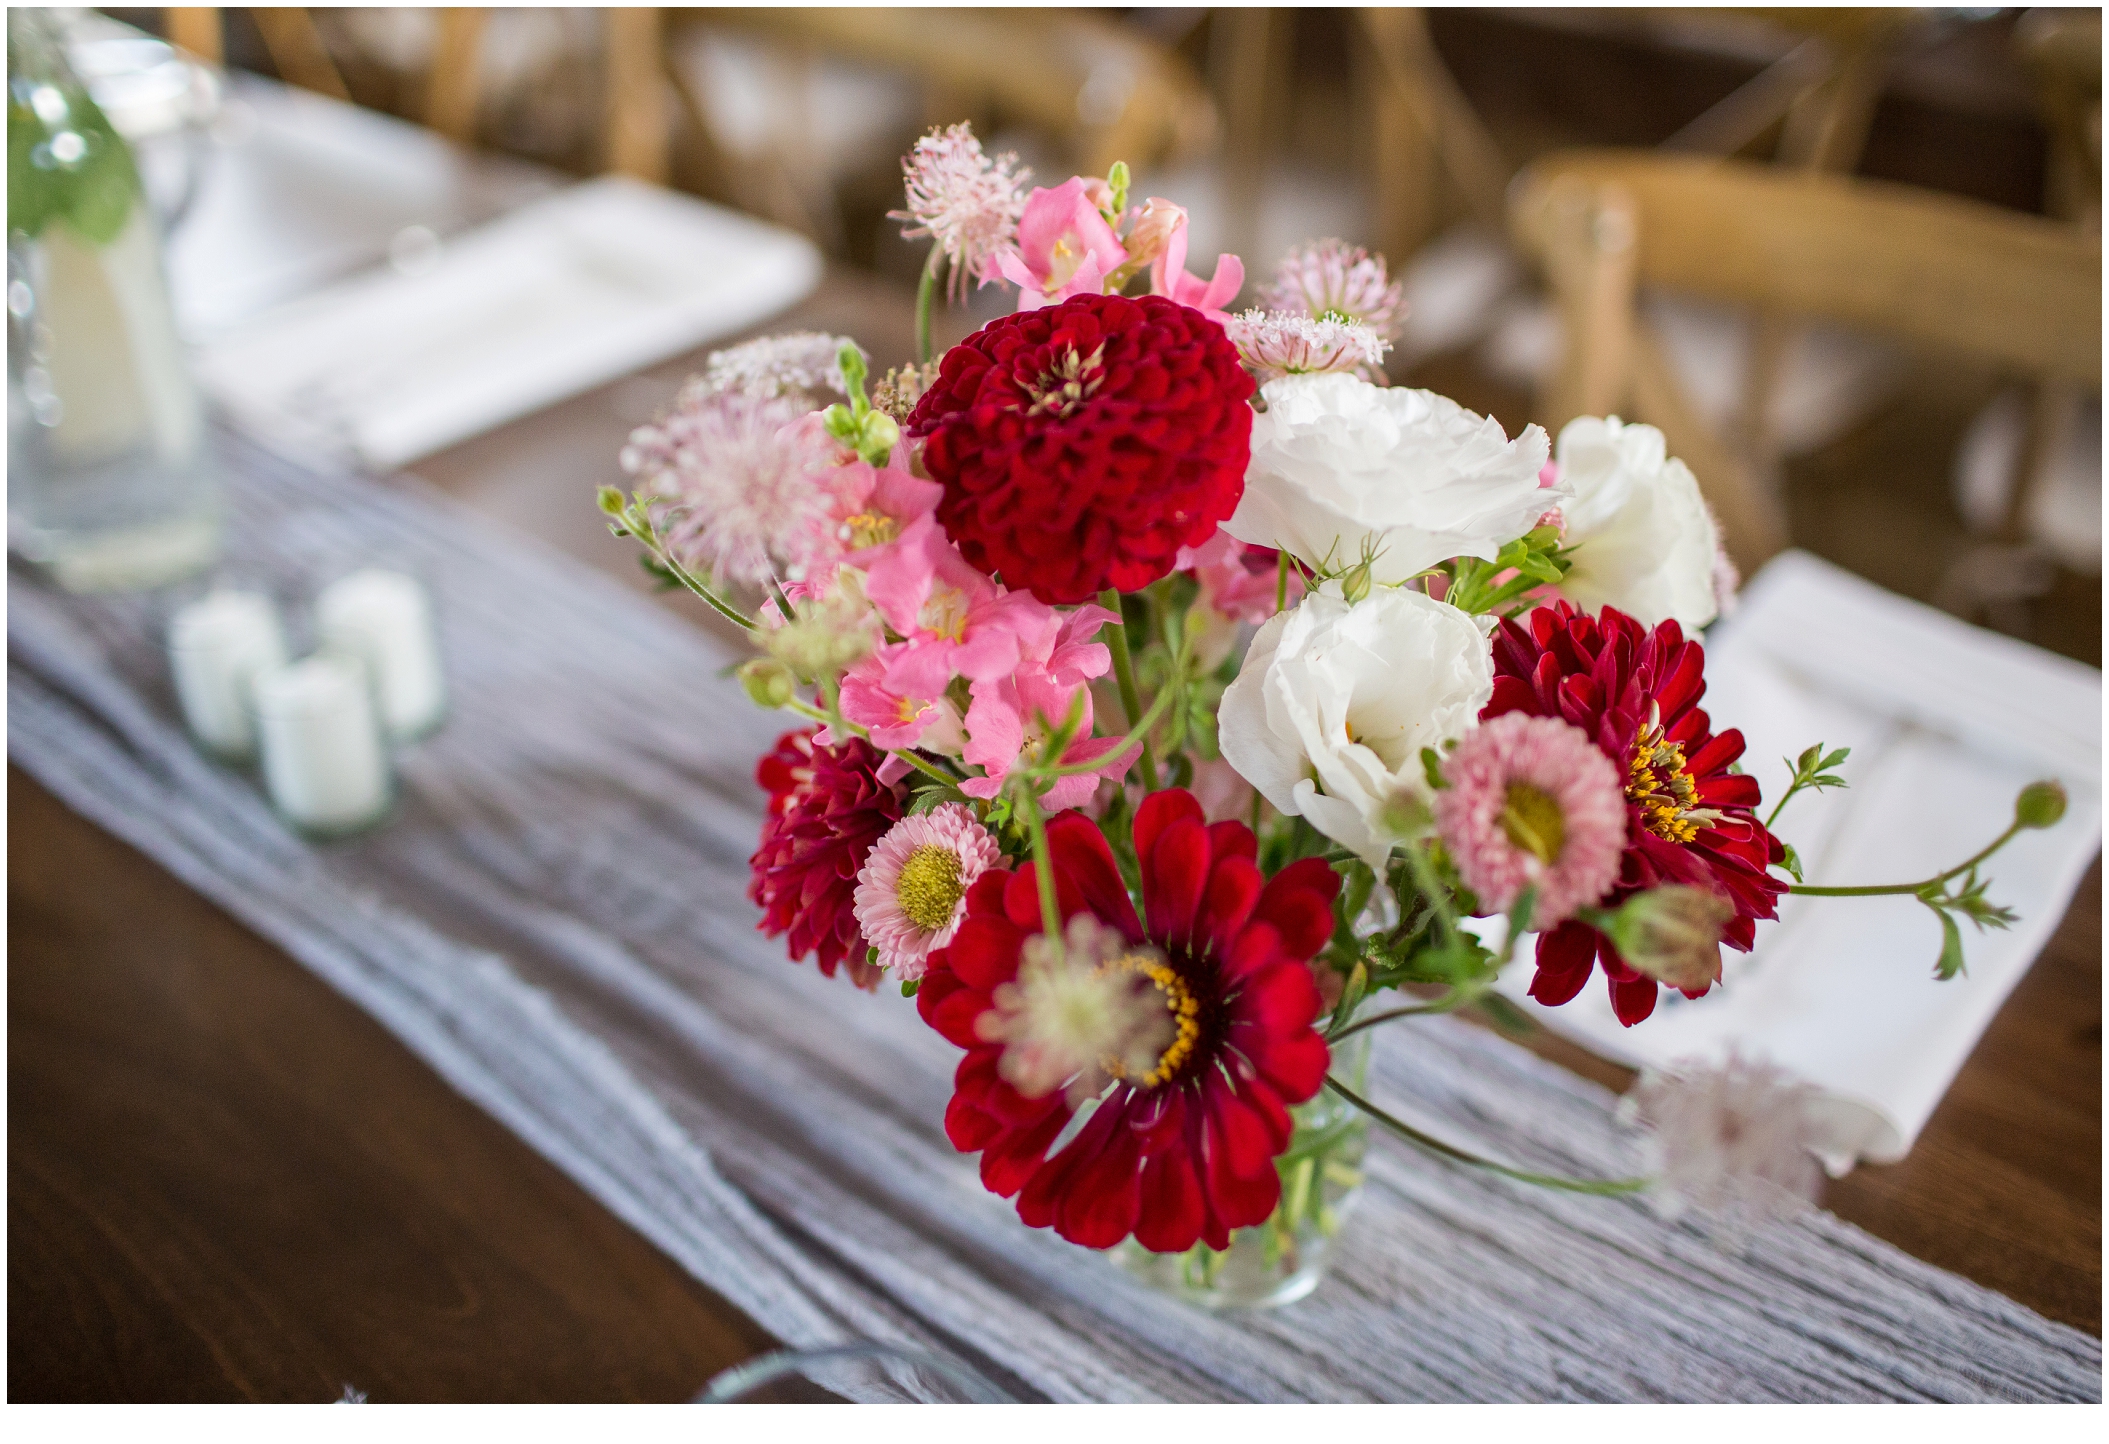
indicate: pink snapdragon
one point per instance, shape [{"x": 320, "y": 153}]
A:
[
  {"x": 1065, "y": 248},
  {"x": 895, "y": 713},
  {"x": 1010, "y": 719},
  {"x": 954, "y": 620},
  {"x": 1168, "y": 274}
]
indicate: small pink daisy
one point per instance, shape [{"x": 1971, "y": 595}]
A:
[
  {"x": 1531, "y": 800},
  {"x": 913, "y": 888},
  {"x": 1286, "y": 343},
  {"x": 1333, "y": 281}
]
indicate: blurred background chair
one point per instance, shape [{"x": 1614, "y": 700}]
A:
[{"x": 2021, "y": 292}]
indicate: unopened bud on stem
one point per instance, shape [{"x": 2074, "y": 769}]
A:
[
  {"x": 1673, "y": 934},
  {"x": 2041, "y": 804}
]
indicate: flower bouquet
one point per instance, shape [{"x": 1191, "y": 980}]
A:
[{"x": 1182, "y": 702}]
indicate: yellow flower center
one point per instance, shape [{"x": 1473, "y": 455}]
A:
[
  {"x": 1660, "y": 783},
  {"x": 1072, "y": 382},
  {"x": 1179, "y": 1001},
  {"x": 945, "y": 613},
  {"x": 929, "y": 887},
  {"x": 1533, "y": 821},
  {"x": 870, "y": 529}
]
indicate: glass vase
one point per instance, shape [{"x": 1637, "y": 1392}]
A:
[
  {"x": 1285, "y": 1258},
  {"x": 110, "y": 484}
]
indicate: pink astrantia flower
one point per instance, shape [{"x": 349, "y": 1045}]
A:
[
  {"x": 966, "y": 201},
  {"x": 954, "y": 620},
  {"x": 1273, "y": 344},
  {"x": 1168, "y": 274},
  {"x": 1332, "y": 280},
  {"x": 1237, "y": 580},
  {"x": 913, "y": 887},
  {"x": 1531, "y": 800},
  {"x": 740, "y": 485},
  {"x": 1065, "y": 248}
]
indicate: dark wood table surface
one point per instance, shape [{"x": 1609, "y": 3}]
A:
[{"x": 226, "y": 1182}]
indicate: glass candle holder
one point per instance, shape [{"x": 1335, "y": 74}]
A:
[
  {"x": 383, "y": 614},
  {"x": 325, "y": 762},
  {"x": 218, "y": 641}
]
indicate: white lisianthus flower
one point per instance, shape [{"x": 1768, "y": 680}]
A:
[
  {"x": 1644, "y": 541},
  {"x": 1341, "y": 467},
  {"x": 1329, "y": 713}
]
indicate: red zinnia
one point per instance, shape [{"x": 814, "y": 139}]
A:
[
  {"x": 1082, "y": 444},
  {"x": 1688, "y": 818},
  {"x": 827, "y": 808},
  {"x": 1185, "y": 1152}
]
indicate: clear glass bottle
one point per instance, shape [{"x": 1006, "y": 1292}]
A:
[{"x": 110, "y": 483}]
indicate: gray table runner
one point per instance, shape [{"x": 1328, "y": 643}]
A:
[{"x": 556, "y": 923}]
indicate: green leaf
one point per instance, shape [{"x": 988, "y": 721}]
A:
[
  {"x": 1432, "y": 765},
  {"x": 1951, "y": 959},
  {"x": 908, "y": 988},
  {"x": 1792, "y": 861}
]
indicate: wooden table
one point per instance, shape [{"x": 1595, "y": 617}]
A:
[{"x": 226, "y": 1182}]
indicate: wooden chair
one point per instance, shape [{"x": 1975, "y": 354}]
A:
[
  {"x": 635, "y": 135},
  {"x": 1936, "y": 271}
]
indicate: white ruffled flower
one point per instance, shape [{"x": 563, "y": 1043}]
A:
[
  {"x": 1644, "y": 541},
  {"x": 1341, "y": 468},
  {"x": 1329, "y": 713}
]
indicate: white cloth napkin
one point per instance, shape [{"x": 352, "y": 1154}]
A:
[
  {"x": 553, "y": 299},
  {"x": 1946, "y": 723}
]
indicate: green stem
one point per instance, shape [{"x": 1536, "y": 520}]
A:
[
  {"x": 718, "y": 604},
  {"x": 1450, "y": 1002},
  {"x": 925, "y": 293},
  {"x": 1130, "y": 738},
  {"x": 1281, "y": 581},
  {"x": 1431, "y": 887},
  {"x": 1124, "y": 673},
  {"x": 1907, "y": 888},
  {"x": 1043, "y": 864},
  {"x": 1431, "y": 1144}
]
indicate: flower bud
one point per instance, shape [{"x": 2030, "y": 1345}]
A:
[
  {"x": 2041, "y": 804},
  {"x": 1673, "y": 934},
  {"x": 1354, "y": 585},
  {"x": 769, "y": 683},
  {"x": 1152, "y": 230}
]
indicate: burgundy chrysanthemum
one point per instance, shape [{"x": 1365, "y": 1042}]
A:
[
  {"x": 1688, "y": 818},
  {"x": 1081, "y": 445},
  {"x": 1184, "y": 1151},
  {"x": 827, "y": 808}
]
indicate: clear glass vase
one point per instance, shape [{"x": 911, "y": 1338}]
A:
[
  {"x": 1285, "y": 1258},
  {"x": 110, "y": 484}
]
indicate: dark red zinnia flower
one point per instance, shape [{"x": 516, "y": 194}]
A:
[
  {"x": 1689, "y": 819},
  {"x": 1082, "y": 444},
  {"x": 827, "y": 808},
  {"x": 1190, "y": 1156}
]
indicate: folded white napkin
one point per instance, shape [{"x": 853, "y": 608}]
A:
[
  {"x": 1946, "y": 723},
  {"x": 553, "y": 299}
]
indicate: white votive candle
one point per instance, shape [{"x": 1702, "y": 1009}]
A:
[
  {"x": 215, "y": 645},
  {"x": 324, "y": 763},
  {"x": 386, "y": 618}
]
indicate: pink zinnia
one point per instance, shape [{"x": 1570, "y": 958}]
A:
[
  {"x": 914, "y": 884},
  {"x": 1531, "y": 800}
]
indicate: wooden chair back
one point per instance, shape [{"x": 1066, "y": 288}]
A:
[{"x": 1938, "y": 271}]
